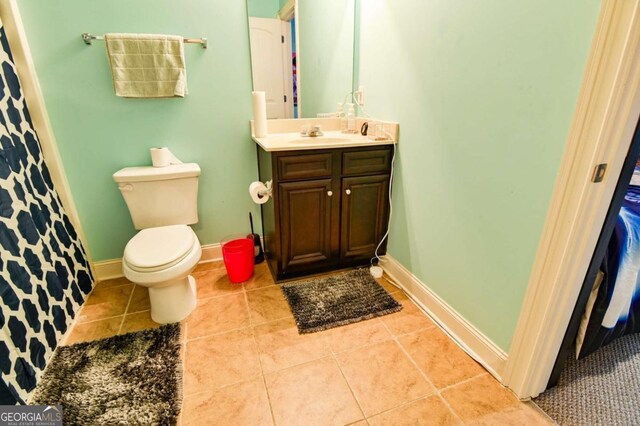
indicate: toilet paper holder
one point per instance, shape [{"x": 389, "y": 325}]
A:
[
  {"x": 260, "y": 192},
  {"x": 267, "y": 192}
]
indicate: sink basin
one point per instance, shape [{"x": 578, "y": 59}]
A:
[{"x": 321, "y": 139}]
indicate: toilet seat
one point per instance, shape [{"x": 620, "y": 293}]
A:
[
  {"x": 172, "y": 291},
  {"x": 157, "y": 249}
]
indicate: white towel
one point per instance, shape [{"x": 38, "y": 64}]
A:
[{"x": 147, "y": 65}]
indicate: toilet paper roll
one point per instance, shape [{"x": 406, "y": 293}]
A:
[
  {"x": 259, "y": 115},
  {"x": 259, "y": 192},
  {"x": 162, "y": 157}
]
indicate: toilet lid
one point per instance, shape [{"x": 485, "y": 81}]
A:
[{"x": 158, "y": 248}]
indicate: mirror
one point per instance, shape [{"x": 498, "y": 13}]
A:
[{"x": 302, "y": 54}]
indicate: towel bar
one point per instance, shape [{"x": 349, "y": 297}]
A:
[{"x": 88, "y": 40}]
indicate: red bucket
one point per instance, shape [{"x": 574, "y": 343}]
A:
[{"x": 239, "y": 259}]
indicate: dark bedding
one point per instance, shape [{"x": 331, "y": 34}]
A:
[{"x": 616, "y": 311}]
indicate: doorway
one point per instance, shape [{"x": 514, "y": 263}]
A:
[
  {"x": 273, "y": 63},
  {"x": 603, "y": 309},
  {"x": 601, "y": 132},
  {"x": 594, "y": 379}
]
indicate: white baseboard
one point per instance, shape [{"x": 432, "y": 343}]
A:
[
  {"x": 211, "y": 253},
  {"x": 109, "y": 269},
  {"x": 469, "y": 338}
]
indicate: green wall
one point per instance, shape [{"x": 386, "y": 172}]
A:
[
  {"x": 484, "y": 92},
  {"x": 99, "y": 133},
  {"x": 262, "y": 8},
  {"x": 326, "y": 53}
]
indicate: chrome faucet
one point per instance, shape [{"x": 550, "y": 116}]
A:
[{"x": 311, "y": 131}]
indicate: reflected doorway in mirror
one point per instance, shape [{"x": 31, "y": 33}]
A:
[{"x": 271, "y": 64}]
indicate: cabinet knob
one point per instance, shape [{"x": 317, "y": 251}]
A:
[
  {"x": 329, "y": 193},
  {"x": 348, "y": 192}
]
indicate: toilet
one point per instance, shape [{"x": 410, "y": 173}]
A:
[{"x": 163, "y": 202}]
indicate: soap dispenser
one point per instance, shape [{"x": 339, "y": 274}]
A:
[{"x": 351, "y": 119}]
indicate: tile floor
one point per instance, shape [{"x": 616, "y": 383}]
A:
[{"x": 246, "y": 364}]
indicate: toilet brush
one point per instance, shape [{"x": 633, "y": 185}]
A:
[{"x": 257, "y": 245}]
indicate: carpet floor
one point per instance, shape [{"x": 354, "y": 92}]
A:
[
  {"x": 132, "y": 379},
  {"x": 338, "y": 299},
  {"x": 601, "y": 389}
]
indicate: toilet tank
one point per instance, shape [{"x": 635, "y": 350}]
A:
[{"x": 160, "y": 196}]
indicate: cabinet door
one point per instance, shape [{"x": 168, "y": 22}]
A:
[
  {"x": 365, "y": 202},
  {"x": 306, "y": 223}
]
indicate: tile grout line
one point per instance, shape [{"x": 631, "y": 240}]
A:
[
  {"x": 437, "y": 324},
  {"x": 369, "y": 344},
  {"x": 404, "y": 404},
  {"x": 225, "y": 386},
  {"x": 438, "y": 391},
  {"x": 309, "y": 361},
  {"x": 364, "y": 346},
  {"x": 255, "y": 342},
  {"x": 243, "y": 291},
  {"x": 464, "y": 381},
  {"x": 540, "y": 411},
  {"x": 449, "y": 407},
  {"x": 270, "y": 321},
  {"x": 260, "y": 288},
  {"x": 237, "y": 328},
  {"x": 137, "y": 312},
  {"x": 416, "y": 331},
  {"x": 334, "y": 355},
  {"x": 112, "y": 317},
  {"x": 218, "y": 296},
  {"x": 424, "y": 375},
  {"x": 126, "y": 309},
  {"x": 100, "y": 319},
  {"x": 393, "y": 339},
  {"x": 411, "y": 303},
  {"x": 76, "y": 321},
  {"x": 355, "y": 398}
]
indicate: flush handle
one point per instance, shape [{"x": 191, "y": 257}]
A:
[
  {"x": 348, "y": 192},
  {"x": 599, "y": 172},
  {"x": 126, "y": 188}
]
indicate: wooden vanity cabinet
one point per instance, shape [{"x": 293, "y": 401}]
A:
[{"x": 328, "y": 210}]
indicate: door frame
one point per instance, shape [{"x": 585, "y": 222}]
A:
[
  {"x": 283, "y": 34},
  {"x": 287, "y": 66},
  {"x": 569, "y": 342},
  {"x": 601, "y": 132},
  {"x": 298, "y": 67},
  {"x": 286, "y": 13}
]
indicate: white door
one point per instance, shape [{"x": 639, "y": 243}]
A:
[{"x": 267, "y": 65}]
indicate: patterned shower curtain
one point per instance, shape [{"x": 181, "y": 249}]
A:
[{"x": 44, "y": 272}]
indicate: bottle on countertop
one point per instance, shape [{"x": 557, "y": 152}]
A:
[
  {"x": 342, "y": 117},
  {"x": 351, "y": 119}
]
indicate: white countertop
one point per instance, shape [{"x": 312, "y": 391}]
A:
[{"x": 330, "y": 139}]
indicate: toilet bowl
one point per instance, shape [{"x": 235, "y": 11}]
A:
[
  {"x": 161, "y": 259},
  {"x": 162, "y": 202}
]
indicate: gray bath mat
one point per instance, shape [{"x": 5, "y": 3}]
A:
[
  {"x": 132, "y": 379},
  {"x": 339, "y": 299}
]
